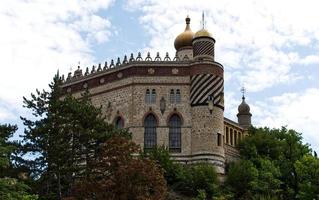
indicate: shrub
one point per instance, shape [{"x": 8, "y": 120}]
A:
[
  {"x": 162, "y": 157},
  {"x": 199, "y": 177}
]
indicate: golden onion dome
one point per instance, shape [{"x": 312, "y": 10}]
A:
[
  {"x": 202, "y": 33},
  {"x": 184, "y": 39}
]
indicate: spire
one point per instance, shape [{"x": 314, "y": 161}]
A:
[
  {"x": 203, "y": 20},
  {"x": 243, "y": 91},
  {"x": 188, "y": 21}
]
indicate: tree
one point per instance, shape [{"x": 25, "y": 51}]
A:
[
  {"x": 10, "y": 187},
  {"x": 63, "y": 134},
  {"x": 274, "y": 153},
  {"x": 308, "y": 174},
  {"x": 118, "y": 173},
  {"x": 162, "y": 157},
  {"x": 241, "y": 178}
]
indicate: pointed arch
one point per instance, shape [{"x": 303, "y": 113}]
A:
[
  {"x": 150, "y": 135},
  {"x": 175, "y": 123}
]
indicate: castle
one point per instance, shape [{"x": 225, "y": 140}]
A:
[{"x": 177, "y": 102}]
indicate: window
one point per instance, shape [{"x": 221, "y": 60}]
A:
[
  {"x": 148, "y": 96},
  {"x": 219, "y": 139},
  {"x": 172, "y": 96},
  {"x": 175, "y": 123},
  {"x": 175, "y": 97},
  {"x": 178, "y": 96},
  {"x": 150, "y": 131},
  {"x": 153, "y": 96},
  {"x": 119, "y": 123}
]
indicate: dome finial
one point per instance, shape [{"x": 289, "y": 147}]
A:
[
  {"x": 187, "y": 19},
  {"x": 243, "y": 91},
  {"x": 203, "y": 20}
]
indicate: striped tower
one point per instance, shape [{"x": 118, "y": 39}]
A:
[{"x": 207, "y": 103}]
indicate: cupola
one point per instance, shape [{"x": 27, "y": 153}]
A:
[
  {"x": 184, "y": 40},
  {"x": 244, "y": 115},
  {"x": 243, "y": 108},
  {"x": 203, "y": 44}
]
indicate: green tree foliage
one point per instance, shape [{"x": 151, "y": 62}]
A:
[
  {"x": 162, "y": 157},
  {"x": 62, "y": 135},
  {"x": 117, "y": 173},
  {"x": 186, "y": 179},
  {"x": 10, "y": 187},
  {"x": 268, "y": 169},
  {"x": 241, "y": 179},
  {"x": 308, "y": 174}
]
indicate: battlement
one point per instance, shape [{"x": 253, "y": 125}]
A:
[{"x": 95, "y": 70}]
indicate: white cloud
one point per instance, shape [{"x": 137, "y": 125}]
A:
[
  {"x": 298, "y": 111},
  {"x": 252, "y": 36},
  {"x": 310, "y": 59},
  {"x": 260, "y": 44},
  {"x": 38, "y": 37}
]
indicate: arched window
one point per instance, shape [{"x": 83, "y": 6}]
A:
[
  {"x": 150, "y": 131},
  {"x": 172, "y": 96},
  {"x": 153, "y": 96},
  {"x": 119, "y": 122},
  {"x": 178, "y": 96},
  {"x": 148, "y": 96},
  {"x": 175, "y": 123}
]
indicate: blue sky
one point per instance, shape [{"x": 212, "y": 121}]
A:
[{"x": 270, "y": 47}]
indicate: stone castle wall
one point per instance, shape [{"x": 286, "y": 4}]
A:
[{"x": 123, "y": 94}]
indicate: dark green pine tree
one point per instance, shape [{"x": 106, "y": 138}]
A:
[
  {"x": 63, "y": 134},
  {"x": 11, "y": 188}
]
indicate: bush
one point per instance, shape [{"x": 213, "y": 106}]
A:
[
  {"x": 199, "y": 177},
  {"x": 186, "y": 179},
  {"x": 162, "y": 157},
  {"x": 241, "y": 178}
]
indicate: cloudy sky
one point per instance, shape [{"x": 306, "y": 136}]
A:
[{"x": 270, "y": 47}]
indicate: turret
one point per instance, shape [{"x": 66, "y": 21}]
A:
[
  {"x": 206, "y": 98},
  {"x": 203, "y": 44},
  {"x": 244, "y": 115},
  {"x": 183, "y": 42}
]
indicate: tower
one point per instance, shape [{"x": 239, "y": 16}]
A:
[
  {"x": 244, "y": 115},
  {"x": 203, "y": 44},
  {"x": 207, "y": 104}
]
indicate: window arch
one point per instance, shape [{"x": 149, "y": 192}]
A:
[
  {"x": 119, "y": 122},
  {"x": 150, "y": 131},
  {"x": 175, "y": 124}
]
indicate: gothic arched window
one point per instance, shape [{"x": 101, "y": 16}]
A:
[
  {"x": 119, "y": 122},
  {"x": 150, "y": 131},
  {"x": 175, "y": 124}
]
